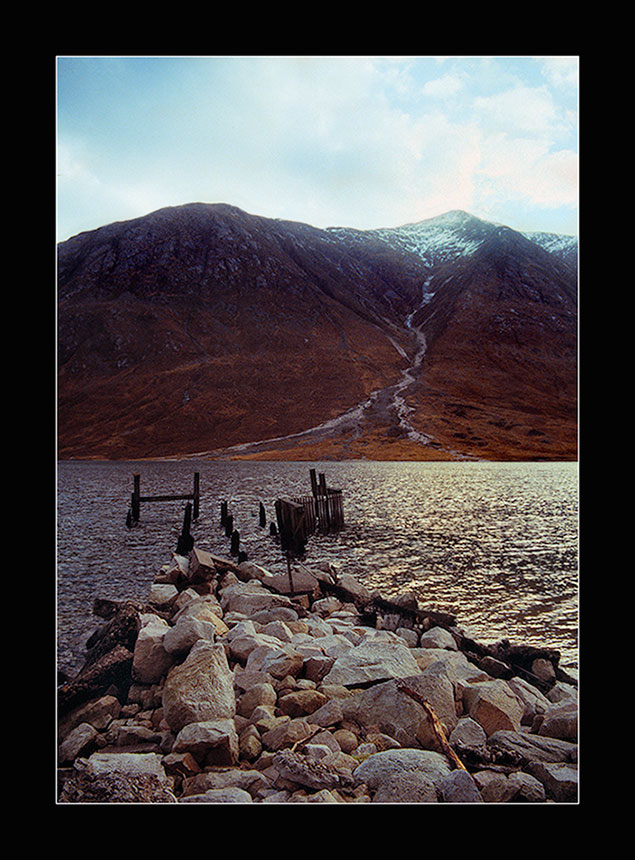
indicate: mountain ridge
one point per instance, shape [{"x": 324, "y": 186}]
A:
[{"x": 254, "y": 329}]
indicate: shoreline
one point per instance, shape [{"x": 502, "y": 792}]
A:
[{"x": 233, "y": 685}]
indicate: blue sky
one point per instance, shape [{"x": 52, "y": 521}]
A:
[{"x": 360, "y": 141}]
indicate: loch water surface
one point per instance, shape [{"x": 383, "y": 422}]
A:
[{"x": 496, "y": 544}]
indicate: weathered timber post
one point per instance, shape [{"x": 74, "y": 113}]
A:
[
  {"x": 263, "y": 515},
  {"x": 136, "y": 497},
  {"x": 223, "y": 513},
  {"x": 235, "y": 543},
  {"x": 325, "y": 493},
  {"x": 291, "y": 525},
  {"x": 197, "y": 494},
  {"x": 186, "y": 541},
  {"x": 229, "y": 525},
  {"x": 289, "y": 571}
]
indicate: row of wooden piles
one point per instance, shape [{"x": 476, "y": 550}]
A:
[{"x": 297, "y": 518}]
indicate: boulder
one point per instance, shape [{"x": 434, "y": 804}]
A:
[
  {"x": 278, "y": 659},
  {"x": 559, "y": 779},
  {"x": 210, "y": 742},
  {"x": 205, "y": 608},
  {"x": 251, "y": 781},
  {"x": 381, "y": 766},
  {"x": 150, "y": 660},
  {"x": 495, "y": 787},
  {"x": 128, "y": 763},
  {"x": 561, "y": 721},
  {"x": 534, "y": 747},
  {"x": 493, "y": 705},
  {"x": 406, "y": 787},
  {"x": 459, "y": 786},
  {"x": 249, "y": 598},
  {"x": 77, "y": 743},
  {"x": 302, "y": 582},
  {"x": 396, "y": 714},
  {"x": 301, "y": 702},
  {"x": 219, "y": 795},
  {"x": 534, "y": 702},
  {"x": 162, "y": 594},
  {"x": 202, "y": 565},
  {"x": 180, "y": 638},
  {"x": 329, "y": 714},
  {"x": 410, "y": 637},
  {"x": 373, "y": 661},
  {"x": 98, "y": 713},
  {"x": 287, "y": 733},
  {"x": 247, "y": 570},
  {"x": 438, "y": 637},
  {"x": 354, "y": 587},
  {"x": 468, "y": 733},
  {"x": 529, "y": 789},
  {"x": 201, "y": 688},
  {"x": 258, "y": 694}
]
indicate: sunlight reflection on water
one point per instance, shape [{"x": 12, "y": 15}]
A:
[{"x": 494, "y": 543}]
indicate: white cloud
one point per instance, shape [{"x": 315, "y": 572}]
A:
[
  {"x": 522, "y": 109},
  {"x": 525, "y": 169},
  {"x": 443, "y": 87},
  {"x": 562, "y": 71}
]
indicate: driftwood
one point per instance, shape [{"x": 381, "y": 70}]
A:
[{"x": 435, "y": 723}]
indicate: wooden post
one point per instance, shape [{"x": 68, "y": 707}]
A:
[
  {"x": 136, "y": 496},
  {"x": 186, "y": 541},
  {"x": 229, "y": 525},
  {"x": 197, "y": 494},
  {"x": 324, "y": 491},
  {"x": 235, "y": 544},
  {"x": 291, "y": 525},
  {"x": 263, "y": 516},
  {"x": 223, "y": 513},
  {"x": 289, "y": 571}
]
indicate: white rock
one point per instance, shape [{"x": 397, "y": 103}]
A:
[
  {"x": 438, "y": 637},
  {"x": 373, "y": 661},
  {"x": 179, "y": 639},
  {"x": 150, "y": 659},
  {"x": 201, "y": 688}
]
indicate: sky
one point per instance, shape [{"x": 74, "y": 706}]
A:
[{"x": 331, "y": 141}]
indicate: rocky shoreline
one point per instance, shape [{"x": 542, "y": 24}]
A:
[{"x": 231, "y": 685}]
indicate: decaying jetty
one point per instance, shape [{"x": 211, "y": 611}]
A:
[{"x": 234, "y": 685}]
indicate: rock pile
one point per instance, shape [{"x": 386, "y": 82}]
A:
[{"x": 232, "y": 686}]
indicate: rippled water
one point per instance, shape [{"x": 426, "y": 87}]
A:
[{"x": 494, "y": 543}]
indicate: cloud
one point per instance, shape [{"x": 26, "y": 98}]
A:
[
  {"x": 521, "y": 109},
  {"x": 516, "y": 168},
  {"x": 562, "y": 71},
  {"x": 443, "y": 87}
]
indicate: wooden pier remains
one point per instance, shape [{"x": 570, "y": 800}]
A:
[
  {"x": 302, "y": 516},
  {"x": 137, "y": 498}
]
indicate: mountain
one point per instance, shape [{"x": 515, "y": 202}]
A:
[{"x": 205, "y": 330}]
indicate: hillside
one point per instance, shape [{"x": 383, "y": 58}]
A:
[{"x": 200, "y": 328}]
